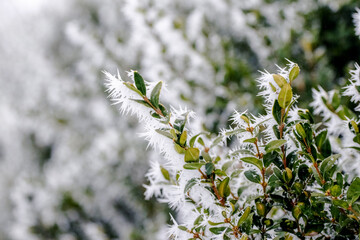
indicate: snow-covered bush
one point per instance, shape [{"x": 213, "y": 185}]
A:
[{"x": 283, "y": 178}]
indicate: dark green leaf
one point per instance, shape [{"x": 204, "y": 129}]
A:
[
  {"x": 139, "y": 83},
  {"x": 328, "y": 162},
  {"x": 276, "y": 111},
  {"x": 269, "y": 158},
  {"x": 217, "y": 230},
  {"x": 209, "y": 168},
  {"x": 141, "y": 102},
  {"x": 252, "y": 176},
  {"x": 155, "y": 94},
  {"x": 303, "y": 172}
]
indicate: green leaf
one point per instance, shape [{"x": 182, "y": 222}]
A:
[
  {"x": 179, "y": 149},
  {"x": 215, "y": 223},
  {"x": 252, "y": 176},
  {"x": 226, "y": 165},
  {"x": 155, "y": 94},
  {"x": 300, "y": 130},
  {"x": 250, "y": 140},
  {"x": 340, "y": 203},
  {"x": 285, "y": 96},
  {"x": 294, "y": 72},
  {"x": 190, "y": 184},
  {"x": 198, "y": 220},
  {"x": 141, "y": 102},
  {"x": 323, "y": 143},
  {"x": 234, "y": 132},
  {"x": 139, "y": 83},
  {"x": 276, "y": 111},
  {"x": 354, "y": 126},
  {"x": 273, "y": 88},
  {"x": 133, "y": 88},
  {"x": 165, "y": 173},
  {"x": 328, "y": 162},
  {"x": 353, "y": 192},
  {"x": 269, "y": 158},
  {"x": 192, "y": 155},
  {"x": 217, "y": 141},
  {"x": 244, "y": 216},
  {"x": 335, "y": 190},
  {"x": 209, "y": 168},
  {"x": 193, "y": 139},
  {"x": 252, "y": 160},
  {"x": 180, "y": 122},
  {"x": 217, "y": 230},
  {"x": 201, "y": 141},
  {"x": 303, "y": 172},
  {"x": 164, "y": 110},
  {"x": 273, "y": 145},
  {"x": 247, "y": 225},
  {"x": 183, "y": 228},
  {"x": 244, "y": 237},
  {"x": 164, "y": 133},
  {"x": 220, "y": 172},
  {"x": 339, "y": 179},
  {"x": 193, "y": 166},
  {"x": 183, "y": 138},
  {"x": 206, "y": 156},
  {"x": 260, "y": 209},
  {"x": 223, "y": 187},
  {"x": 280, "y": 80}
]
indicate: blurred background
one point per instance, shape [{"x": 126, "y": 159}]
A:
[{"x": 71, "y": 167}]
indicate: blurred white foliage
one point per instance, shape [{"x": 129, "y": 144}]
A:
[
  {"x": 59, "y": 136},
  {"x": 52, "y": 106}
]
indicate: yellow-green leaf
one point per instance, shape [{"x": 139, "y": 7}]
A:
[
  {"x": 222, "y": 188},
  {"x": 183, "y": 138},
  {"x": 285, "y": 95},
  {"x": 355, "y": 126},
  {"x": 300, "y": 130},
  {"x": 179, "y": 149},
  {"x": 165, "y": 173},
  {"x": 252, "y": 160},
  {"x": 244, "y": 216},
  {"x": 280, "y": 80},
  {"x": 294, "y": 73},
  {"x": 192, "y": 154}
]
